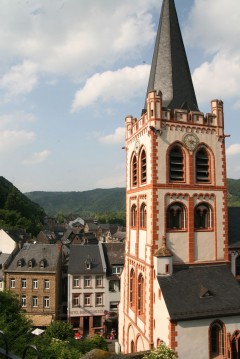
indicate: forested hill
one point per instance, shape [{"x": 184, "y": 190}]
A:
[
  {"x": 84, "y": 203},
  {"x": 17, "y": 210},
  {"x": 101, "y": 200}
]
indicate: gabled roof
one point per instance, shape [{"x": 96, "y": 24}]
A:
[
  {"x": 170, "y": 71},
  {"x": 18, "y": 235},
  {"x": 114, "y": 252},
  {"x": 201, "y": 292},
  {"x": 78, "y": 256},
  {"x": 36, "y": 253},
  {"x": 234, "y": 227}
]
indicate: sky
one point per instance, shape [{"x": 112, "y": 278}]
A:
[{"x": 72, "y": 70}]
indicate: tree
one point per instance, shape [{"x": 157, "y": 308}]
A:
[
  {"x": 162, "y": 352},
  {"x": 59, "y": 330},
  {"x": 13, "y": 322}
]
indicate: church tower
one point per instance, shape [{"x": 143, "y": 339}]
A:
[{"x": 176, "y": 197}]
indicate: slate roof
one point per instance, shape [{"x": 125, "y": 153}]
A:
[
  {"x": 170, "y": 71},
  {"x": 234, "y": 227},
  {"x": 3, "y": 259},
  {"x": 201, "y": 292},
  {"x": 114, "y": 252},
  {"x": 78, "y": 256},
  {"x": 36, "y": 252},
  {"x": 18, "y": 235}
]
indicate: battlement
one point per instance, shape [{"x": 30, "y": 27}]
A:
[{"x": 158, "y": 116}]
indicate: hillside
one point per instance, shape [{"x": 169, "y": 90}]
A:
[
  {"x": 101, "y": 200},
  {"x": 17, "y": 210},
  {"x": 83, "y": 203}
]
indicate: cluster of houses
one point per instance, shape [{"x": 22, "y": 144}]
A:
[{"x": 70, "y": 274}]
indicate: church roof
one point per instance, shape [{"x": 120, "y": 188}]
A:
[
  {"x": 201, "y": 292},
  {"x": 170, "y": 71}
]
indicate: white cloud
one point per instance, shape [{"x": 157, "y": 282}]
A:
[
  {"x": 219, "y": 78},
  {"x": 72, "y": 37},
  {"x": 116, "y": 137},
  {"x": 20, "y": 80},
  {"x": 10, "y": 139},
  {"x": 16, "y": 118},
  {"x": 37, "y": 157},
  {"x": 233, "y": 150},
  {"x": 120, "y": 85}
]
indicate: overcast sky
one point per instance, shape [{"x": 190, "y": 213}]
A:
[{"x": 70, "y": 72}]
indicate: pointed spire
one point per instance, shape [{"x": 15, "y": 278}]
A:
[{"x": 170, "y": 71}]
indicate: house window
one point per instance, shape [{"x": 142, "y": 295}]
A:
[
  {"x": 143, "y": 215},
  {"x": 87, "y": 282},
  {"x": 143, "y": 160},
  {"x": 216, "y": 339},
  {"x": 23, "y": 301},
  {"x": 99, "y": 299},
  {"x": 46, "y": 284},
  {"x": 117, "y": 270},
  {"x": 24, "y": 283},
  {"x": 133, "y": 215},
  {"x": 235, "y": 345},
  {"x": 76, "y": 300},
  {"x": 203, "y": 217},
  {"x": 87, "y": 300},
  {"x": 202, "y": 166},
  {"x": 140, "y": 302},
  {"x": 76, "y": 282},
  {"x": 237, "y": 264},
  {"x": 1, "y": 284},
  {"x": 46, "y": 302},
  {"x": 34, "y": 301},
  {"x": 176, "y": 161},
  {"x": 99, "y": 281},
  {"x": 12, "y": 283},
  {"x": 114, "y": 285},
  {"x": 176, "y": 216},
  {"x": 42, "y": 263},
  {"x": 132, "y": 288},
  {"x": 35, "y": 284},
  {"x": 134, "y": 171},
  {"x": 97, "y": 321},
  {"x": 20, "y": 262},
  {"x": 114, "y": 306}
]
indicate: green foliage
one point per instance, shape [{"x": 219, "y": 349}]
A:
[
  {"x": 14, "y": 323},
  {"x": 59, "y": 330},
  {"x": 162, "y": 352},
  {"x": 233, "y": 192},
  {"x": 17, "y": 210},
  {"x": 85, "y": 203}
]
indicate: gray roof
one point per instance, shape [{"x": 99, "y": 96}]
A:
[
  {"x": 114, "y": 253},
  {"x": 201, "y": 292},
  {"x": 170, "y": 71},
  {"x": 3, "y": 259},
  {"x": 36, "y": 253},
  {"x": 92, "y": 253},
  {"x": 234, "y": 227}
]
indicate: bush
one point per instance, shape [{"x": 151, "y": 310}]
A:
[{"x": 162, "y": 352}]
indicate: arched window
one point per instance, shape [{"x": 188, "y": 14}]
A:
[
  {"x": 133, "y": 215},
  {"x": 176, "y": 164},
  {"x": 143, "y": 167},
  {"x": 237, "y": 264},
  {"x": 202, "y": 166},
  {"x": 203, "y": 218},
  {"x": 132, "y": 288},
  {"x": 134, "y": 171},
  {"x": 216, "y": 339},
  {"x": 176, "y": 216},
  {"x": 235, "y": 345},
  {"x": 140, "y": 302},
  {"x": 132, "y": 346},
  {"x": 143, "y": 216}
]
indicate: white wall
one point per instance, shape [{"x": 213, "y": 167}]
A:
[{"x": 7, "y": 244}]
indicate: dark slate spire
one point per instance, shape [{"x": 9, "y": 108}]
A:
[{"x": 170, "y": 70}]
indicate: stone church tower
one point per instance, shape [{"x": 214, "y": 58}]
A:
[{"x": 176, "y": 199}]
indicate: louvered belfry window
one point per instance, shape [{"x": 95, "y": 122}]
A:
[
  {"x": 134, "y": 171},
  {"x": 143, "y": 167},
  {"x": 202, "y": 166},
  {"x": 176, "y": 164}
]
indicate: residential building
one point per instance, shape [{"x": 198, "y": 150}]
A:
[
  {"x": 86, "y": 288},
  {"x": 234, "y": 240},
  {"x": 176, "y": 284},
  {"x": 34, "y": 274}
]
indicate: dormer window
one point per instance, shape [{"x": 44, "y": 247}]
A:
[
  {"x": 42, "y": 263},
  {"x": 31, "y": 263},
  {"x": 88, "y": 265},
  {"x": 20, "y": 262}
]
